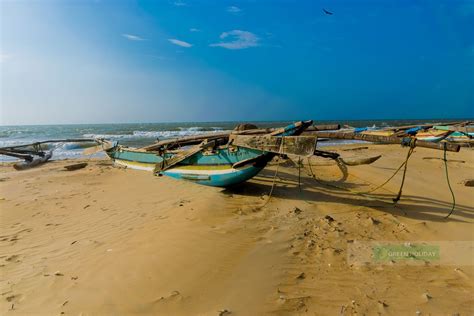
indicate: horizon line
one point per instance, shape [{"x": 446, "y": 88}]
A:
[{"x": 245, "y": 121}]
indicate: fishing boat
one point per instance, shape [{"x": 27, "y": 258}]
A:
[
  {"x": 432, "y": 135},
  {"x": 213, "y": 162},
  {"x": 460, "y": 134}
]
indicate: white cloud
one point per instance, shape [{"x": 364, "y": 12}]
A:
[
  {"x": 180, "y": 3},
  {"x": 234, "y": 9},
  {"x": 194, "y": 30},
  {"x": 4, "y": 57},
  {"x": 241, "y": 40},
  {"x": 180, "y": 43},
  {"x": 133, "y": 37}
]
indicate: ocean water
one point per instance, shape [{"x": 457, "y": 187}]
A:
[{"x": 141, "y": 134}]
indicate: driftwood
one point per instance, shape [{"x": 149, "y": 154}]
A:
[
  {"x": 76, "y": 166},
  {"x": 356, "y": 148},
  {"x": 438, "y": 158},
  {"x": 387, "y": 139},
  {"x": 286, "y": 145},
  {"x": 469, "y": 183},
  {"x": 27, "y": 164}
]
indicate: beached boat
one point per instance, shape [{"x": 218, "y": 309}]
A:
[
  {"x": 459, "y": 134},
  {"x": 432, "y": 135},
  {"x": 207, "y": 163}
]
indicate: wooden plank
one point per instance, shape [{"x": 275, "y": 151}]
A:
[
  {"x": 288, "y": 145},
  {"x": 168, "y": 163},
  {"x": 387, "y": 139},
  {"x": 188, "y": 140}
]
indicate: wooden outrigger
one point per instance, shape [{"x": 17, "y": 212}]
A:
[
  {"x": 35, "y": 154},
  {"x": 218, "y": 162}
]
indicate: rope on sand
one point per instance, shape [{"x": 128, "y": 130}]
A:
[
  {"x": 449, "y": 184},
  {"x": 274, "y": 176},
  {"x": 412, "y": 144},
  {"x": 407, "y": 142}
]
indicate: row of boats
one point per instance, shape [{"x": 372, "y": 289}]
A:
[
  {"x": 462, "y": 133},
  {"x": 227, "y": 158}
]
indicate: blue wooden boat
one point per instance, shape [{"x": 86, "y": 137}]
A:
[{"x": 214, "y": 165}]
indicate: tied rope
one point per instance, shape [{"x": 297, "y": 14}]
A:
[
  {"x": 275, "y": 175},
  {"x": 447, "y": 180},
  {"x": 408, "y": 141},
  {"x": 412, "y": 144}
]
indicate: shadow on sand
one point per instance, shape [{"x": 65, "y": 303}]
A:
[{"x": 286, "y": 187}]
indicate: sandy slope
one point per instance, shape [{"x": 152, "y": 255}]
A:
[{"x": 105, "y": 240}]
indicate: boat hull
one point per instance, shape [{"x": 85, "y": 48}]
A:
[
  {"x": 215, "y": 169},
  {"x": 218, "y": 176}
]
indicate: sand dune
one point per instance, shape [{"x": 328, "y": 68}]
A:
[{"x": 106, "y": 240}]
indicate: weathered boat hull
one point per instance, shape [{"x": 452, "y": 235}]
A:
[
  {"x": 222, "y": 166},
  {"x": 214, "y": 169},
  {"x": 218, "y": 176},
  {"x": 432, "y": 135}
]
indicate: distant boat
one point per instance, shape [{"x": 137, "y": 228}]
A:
[{"x": 432, "y": 135}]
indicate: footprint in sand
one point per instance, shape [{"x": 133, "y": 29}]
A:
[
  {"x": 14, "y": 297},
  {"x": 13, "y": 258}
]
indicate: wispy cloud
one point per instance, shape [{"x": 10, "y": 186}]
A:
[
  {"x": 233, "y": 9},
  {"x": 133, "y": 37},
  {"x": 180, "y": 43},
  {"x": 180, "y": 3},
  {"x": 4, "y": 57},
  {"x": 194, "y": 30},
  {"x": 240, "y": 40}
]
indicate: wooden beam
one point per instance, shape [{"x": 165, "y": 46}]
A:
[
  {"x": 168, "y": 163},
  {"x": 386, "y": 139},
  {"x": 72, "y": 140}
]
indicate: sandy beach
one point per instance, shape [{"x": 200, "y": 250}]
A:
[{"x": 113, "y": 241}]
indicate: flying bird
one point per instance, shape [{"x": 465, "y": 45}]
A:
[{"x": 327, "y": 12}]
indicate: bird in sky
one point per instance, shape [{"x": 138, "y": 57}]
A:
[{"x": 327, "y": 12}]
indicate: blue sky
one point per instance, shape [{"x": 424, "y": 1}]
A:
[{"x": 189, "y": 60}]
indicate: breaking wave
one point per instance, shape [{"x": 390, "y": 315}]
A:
[{"x": 158, "y": 134}]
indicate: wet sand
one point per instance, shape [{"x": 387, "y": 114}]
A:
[{"x": 105, "y": 240}]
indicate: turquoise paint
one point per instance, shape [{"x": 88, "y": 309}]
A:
[
  {"x": 218, "y": 180},
  {"x": 144, "y": 157}
]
